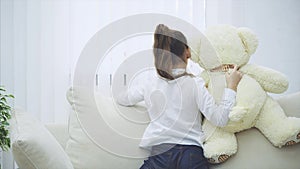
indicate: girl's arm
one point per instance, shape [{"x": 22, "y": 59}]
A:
[
  {"x": 218, "y": 114},
  {"x": 132, "y": 96}
]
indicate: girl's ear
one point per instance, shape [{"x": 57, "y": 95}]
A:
[{"x": 187, "y": 53}]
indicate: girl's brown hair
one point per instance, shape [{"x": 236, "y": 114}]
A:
[{"x": 169, "y": 47}]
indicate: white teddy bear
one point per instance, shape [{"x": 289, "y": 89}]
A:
[{"x": 254, "y": 107}]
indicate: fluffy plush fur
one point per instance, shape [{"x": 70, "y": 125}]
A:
[{"x": 254, "y": 107}]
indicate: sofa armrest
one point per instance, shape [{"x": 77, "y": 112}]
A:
[
  {"x": 60, "y": 133},
  {"x": 33, "y": 146},
  {"x": 290, "y": 104}
]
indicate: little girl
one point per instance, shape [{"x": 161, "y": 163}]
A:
[{"x": 174, "y": 101}]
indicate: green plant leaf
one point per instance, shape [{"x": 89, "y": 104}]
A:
[
  {"x": 9, "y": 95},
  {"x": 5, "y": 114},
  {"x": 3, "y": 99},
  {"x": 5, "y": 123}
]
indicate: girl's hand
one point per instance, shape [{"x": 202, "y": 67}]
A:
[{"x": 233, "y": 78}]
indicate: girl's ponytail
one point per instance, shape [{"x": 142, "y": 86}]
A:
[
  {"x": 162, "y": 53},
  {"x": 168, "y": 49}
]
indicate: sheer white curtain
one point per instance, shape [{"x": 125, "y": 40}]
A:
[
  {"x": 225, "y": 12},
  {"x": 42, "y": 39},
  {"x": 35, "y": 56}
]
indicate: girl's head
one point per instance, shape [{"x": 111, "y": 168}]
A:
[{"x": 170, "y": 50}]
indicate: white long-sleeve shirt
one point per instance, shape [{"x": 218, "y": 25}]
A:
[{"x": 174, "y": 107}]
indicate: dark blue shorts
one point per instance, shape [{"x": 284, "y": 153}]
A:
[{"x": 175, "y": 156}]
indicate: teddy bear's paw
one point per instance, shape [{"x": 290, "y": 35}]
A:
[
  {"x": 218, "y": 159},
  {"x": 223, "y": 158},
  {"x": 211, "y": 160},
  {"x": 294, "y": 140},
  {"x": 289, "y": 143}
]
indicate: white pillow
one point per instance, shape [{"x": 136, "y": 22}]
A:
[
  {"x": 85, "y": 154},
  {"x": 33, "y": 146}
]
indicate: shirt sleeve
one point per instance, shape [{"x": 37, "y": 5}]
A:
[
  {"x": 132, "y": 96},
  {"x": 218, "y": 114}
]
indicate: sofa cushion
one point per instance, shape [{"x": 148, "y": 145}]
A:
[
  {"x": 33, "y": 146},
  {"x": 60, "y": 133},
  {"x": 85, "y": 153}
]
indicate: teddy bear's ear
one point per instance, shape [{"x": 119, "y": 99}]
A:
[{"x": 249, "y": 40}]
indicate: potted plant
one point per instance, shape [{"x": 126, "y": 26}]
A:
[{"x": 5, "y": 114}]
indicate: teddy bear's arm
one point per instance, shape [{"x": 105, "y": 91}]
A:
[
  {"x": 205, "y": 77},
  {"x": 270, "y": 80}
]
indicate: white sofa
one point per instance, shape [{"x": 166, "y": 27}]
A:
[{"x": 57, "y": 146}]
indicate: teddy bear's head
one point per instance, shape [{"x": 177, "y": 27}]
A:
[{"x": 231, "y": 45}]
